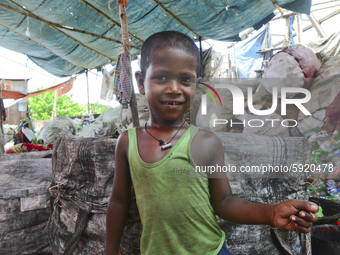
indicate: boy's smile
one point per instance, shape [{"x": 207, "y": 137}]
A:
[{"x": 168, "y": 82}]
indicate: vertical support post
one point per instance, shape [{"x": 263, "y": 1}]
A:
[
  {"x": 126, "y": 46},
  {"x": 298, "y": 32},
  {"x": 54, "y": 111},
  {"x": 201, "y": 56},
  {"x": 2, "y": 135},
  {"x": 287, "y": 34},
  {"x": 88, "y": 91}
]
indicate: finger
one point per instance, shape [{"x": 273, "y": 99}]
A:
[
  {"x": 301, "y": 222},
  {"x": 314, "y": 208},
  {"x": 305, "y": 205},
  {"x": 295, "y": 227},
  {"x": 312, "y": 217}
]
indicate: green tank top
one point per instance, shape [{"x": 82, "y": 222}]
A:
[{"x": 174, "y": 208}]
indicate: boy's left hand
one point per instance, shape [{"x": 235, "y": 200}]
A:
[{"x": 295, "y": 215}]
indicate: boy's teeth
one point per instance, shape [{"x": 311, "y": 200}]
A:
[{"x": 171, "y": 103}]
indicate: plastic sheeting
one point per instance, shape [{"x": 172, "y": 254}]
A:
[
  {"x": 64, "y": 52},
  {"x": 246, "y": 58}
]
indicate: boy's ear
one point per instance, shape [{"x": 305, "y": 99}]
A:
[
  {"x": 140, "y": 82},
  {"x": 199, "y": 79}
]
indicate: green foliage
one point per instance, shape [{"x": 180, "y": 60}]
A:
[
  {"x": 42, "y": 106},
  {"x": 99, "y": 108}
]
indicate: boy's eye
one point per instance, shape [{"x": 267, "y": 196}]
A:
[
  {"x": 186, "y": 79},
  {"x": 160, "y": 78}
]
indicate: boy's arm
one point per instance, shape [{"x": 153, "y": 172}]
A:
[
  {"x": 292, "y": 215},
  {"x": 120, "y": 198}
]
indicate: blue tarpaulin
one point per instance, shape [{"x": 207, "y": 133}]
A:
[
  {"x": 246, "y": 58},
  {"x": 64, "y": 52}
]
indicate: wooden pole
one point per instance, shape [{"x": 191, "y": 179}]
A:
[
  {"x": 298, "y": 32},
  {"x": 2, "y": 135},
  {"x": 126, "y": 46},
  {"x": 88, "y": 92},
  {"x": 287, "y": 34},
  {"x": 54, "y": 111}
]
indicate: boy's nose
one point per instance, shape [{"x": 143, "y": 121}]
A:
[{"x": 174, "y": 87}]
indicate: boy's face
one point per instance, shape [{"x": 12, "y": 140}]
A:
[{"x": 169, "y": 80}]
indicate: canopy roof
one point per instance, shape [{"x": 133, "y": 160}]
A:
[{"x": 67, "y": 37}]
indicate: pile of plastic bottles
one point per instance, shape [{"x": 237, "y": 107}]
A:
[{"x": 324, "y": 172}]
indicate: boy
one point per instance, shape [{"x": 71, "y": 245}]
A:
[{"x": 178, "y": 212}]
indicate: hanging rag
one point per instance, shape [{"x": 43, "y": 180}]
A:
[
  {"x": 106, "y": 92},
  {"x": 2, "y": 109},
  {"x": 122, "y": 82}
]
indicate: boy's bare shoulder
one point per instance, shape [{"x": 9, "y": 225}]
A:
[
  {"x": 205, "y": 146},
  {"x": 208, "y": 137},
  {"x": 123, "y": 141}
]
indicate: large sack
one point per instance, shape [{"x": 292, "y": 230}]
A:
[
  {"x": 294, "y": 67},
  {"x": 255, "y": 150},
  {"x": 112, "y": 116},
  {"x": 307, "y": 60},
  {"x": 325, "y": 87},
  {"x": 51, "y": 131},
  {"x": 326, "y": 47},
  {"x": 24, "y": 204},
  {"x": 83, "y": 170},
  {"x": 282, "y": 70}
]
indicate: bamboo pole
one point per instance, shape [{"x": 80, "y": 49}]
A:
[
  {"x": 269, "y": 49},
  {"x": 66, "y": 35},
  {"x": 40, "y": 45},
  {"x": 126, "y": 46},
  {"x": 54, "y": 111},
  {"x": 298, "y": 32},
  {"x": 310, "y": 26},
  {"x": 287, "y": 34},
  {"x": 2, "y": 135},
  {"x": 325, "y": 8},
  {"x": 49, "y": 23},
  {"x": 277, "y": 7},
  {"x": 316, "y": 25},
  {"x": 106, "y": 16},
  {"x": 325, "y": 2},
  {"x": 88, "y": 92},
  {"x": 172, "y": 15},
  {"x": 284, "y": 16}
]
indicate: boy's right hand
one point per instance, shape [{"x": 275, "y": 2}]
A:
[{"x": 295, "y": 215}]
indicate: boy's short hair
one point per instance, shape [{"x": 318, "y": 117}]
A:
[{"x": 171, "y": 39}]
